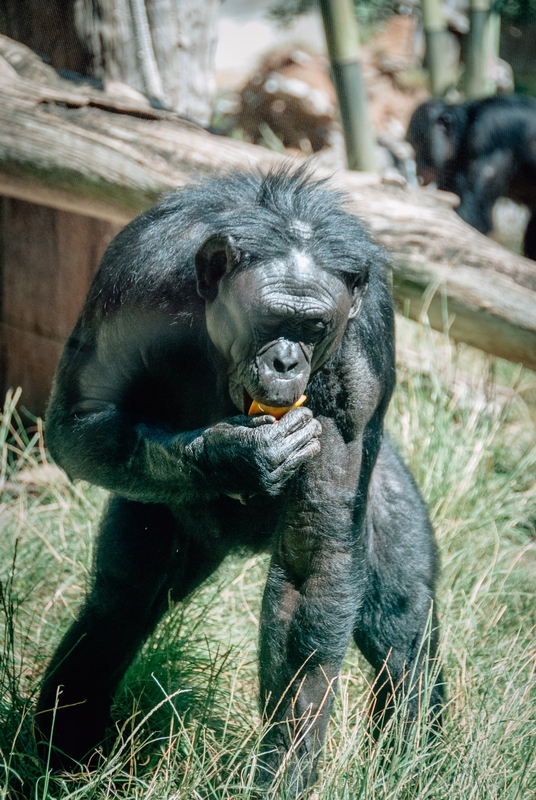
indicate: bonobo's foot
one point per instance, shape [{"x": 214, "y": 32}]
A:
[
  {"x": 285, "y": 773},
  {"x": 67, "y": 736}
]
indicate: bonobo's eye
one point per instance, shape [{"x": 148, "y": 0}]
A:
[
  {"x": 315, "y": 325},
  {"x": 312, "y": 331}
]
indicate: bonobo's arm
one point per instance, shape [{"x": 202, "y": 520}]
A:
[
  {"x": 94, "y": 434},
  {"x": 314, "y": 588},
  {"x": 480, "y": 184}
]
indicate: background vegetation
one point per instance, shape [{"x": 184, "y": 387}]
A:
[{"x": 186, "y": 714}]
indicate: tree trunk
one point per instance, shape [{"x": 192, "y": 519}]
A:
[
  {"x": 342, "y": 36},
  {"x": 477, "y": 50},
  {"x": 436, "y": 55},
  {"x": 163, "y": 48}
]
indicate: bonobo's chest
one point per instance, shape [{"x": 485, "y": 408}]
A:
[
  {"x": 160, "y": 369},
  {"x": 181, "y": 387}
]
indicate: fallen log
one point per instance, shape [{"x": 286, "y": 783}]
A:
[{"x": 78, "y": 149}]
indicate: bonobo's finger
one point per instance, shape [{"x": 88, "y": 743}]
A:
[
  {"x": 258, "y": 420},
  {"x": 305, "y": 453},
  {"x": 244, "y": 421},
  {"x": 294, "y": 420},
  {"x": 292, "y": 447},
  {"x": 295, "y": 460},
  {"x": 295, "y": 440}
]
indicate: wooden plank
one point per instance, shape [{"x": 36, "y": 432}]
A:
[
  {"x": 30, "y": 362},
  {"x": 49, "y": 259}
]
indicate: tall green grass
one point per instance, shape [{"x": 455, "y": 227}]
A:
[{"x": 186, "y": 715}]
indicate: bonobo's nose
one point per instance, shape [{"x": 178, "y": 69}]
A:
[{"x": 285, "y": 358}]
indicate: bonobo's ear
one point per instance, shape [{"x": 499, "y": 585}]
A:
[
  {"x": 218, "y": 255},
  {"x": 358, "y": 289},
  {"x": 446, "y": 120}
]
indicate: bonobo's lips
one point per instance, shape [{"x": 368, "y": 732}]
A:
[
  {"x": 248, "y": 400},
  {"x": 266, "y": 406}
]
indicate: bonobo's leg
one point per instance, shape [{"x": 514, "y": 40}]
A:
[
  {"x": 308, "y": 615},
  {"x": 529, "y": 241},
  {"x": 140, "y": 555},
  {"x": 397, "y": 608},
  {"x": 485, "y": 180}
]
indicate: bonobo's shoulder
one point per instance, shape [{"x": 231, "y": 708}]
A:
[{"x": 500, "y": 107}]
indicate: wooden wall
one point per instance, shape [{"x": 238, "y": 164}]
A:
[{"x": 47, "y": 261}]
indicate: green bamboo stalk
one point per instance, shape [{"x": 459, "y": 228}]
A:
[
  {"x": 494, "y": 41},
  {"x": 477, "y": 49},
  {"x": 435, "y": 35},
  {"x": 342, "y": 36}
]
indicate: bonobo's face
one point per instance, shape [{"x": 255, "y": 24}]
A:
[
  {"x": 274, "y": 323},
  {"x": 431, "y": 134}
]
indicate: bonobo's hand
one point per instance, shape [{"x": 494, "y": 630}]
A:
[{"x": 252, "y": 455}]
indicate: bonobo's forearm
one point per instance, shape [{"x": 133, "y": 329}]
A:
[
  {"x": 125, "y": 456},
  {"x": 238, "y": 456}
]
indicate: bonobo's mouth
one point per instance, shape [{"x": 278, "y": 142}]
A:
[
  {"x": 249, "y": 400},
  {"x": 252, "y": 406}
]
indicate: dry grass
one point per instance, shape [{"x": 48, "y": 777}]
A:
[{"x": 186, "y": 713}]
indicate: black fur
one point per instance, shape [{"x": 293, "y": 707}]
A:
[
  {"x": 480, "y": 150},
  {"x": 293, "y": 294}
]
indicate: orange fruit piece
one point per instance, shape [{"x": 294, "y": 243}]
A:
[{"x": 275, "y": 411}]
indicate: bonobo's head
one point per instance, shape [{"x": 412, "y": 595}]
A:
[
  {"x": 433, "y": 132},
  {"x": 276, "y": 319}
]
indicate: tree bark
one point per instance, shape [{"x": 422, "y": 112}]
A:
[
  {"x": 81, "y": 150},
  {"x": 342, "y": 37},
  {"x": 48, "y": 27},
  {"x": 162, "y": 48}
]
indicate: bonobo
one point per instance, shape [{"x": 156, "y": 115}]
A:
[
  {"x": 240, "y": 289},
  {"x": 480, "y": 150}
]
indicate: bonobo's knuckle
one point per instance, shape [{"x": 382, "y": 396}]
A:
[
  {"x": 305, "y": 454},
  {"x": 295, "y": 419},
  {"x": 270, "y": 482},
  {"x": 313, "y": 448},
  {"x": 271, "y": 459},
  {"x": 317, "y": 428}
]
